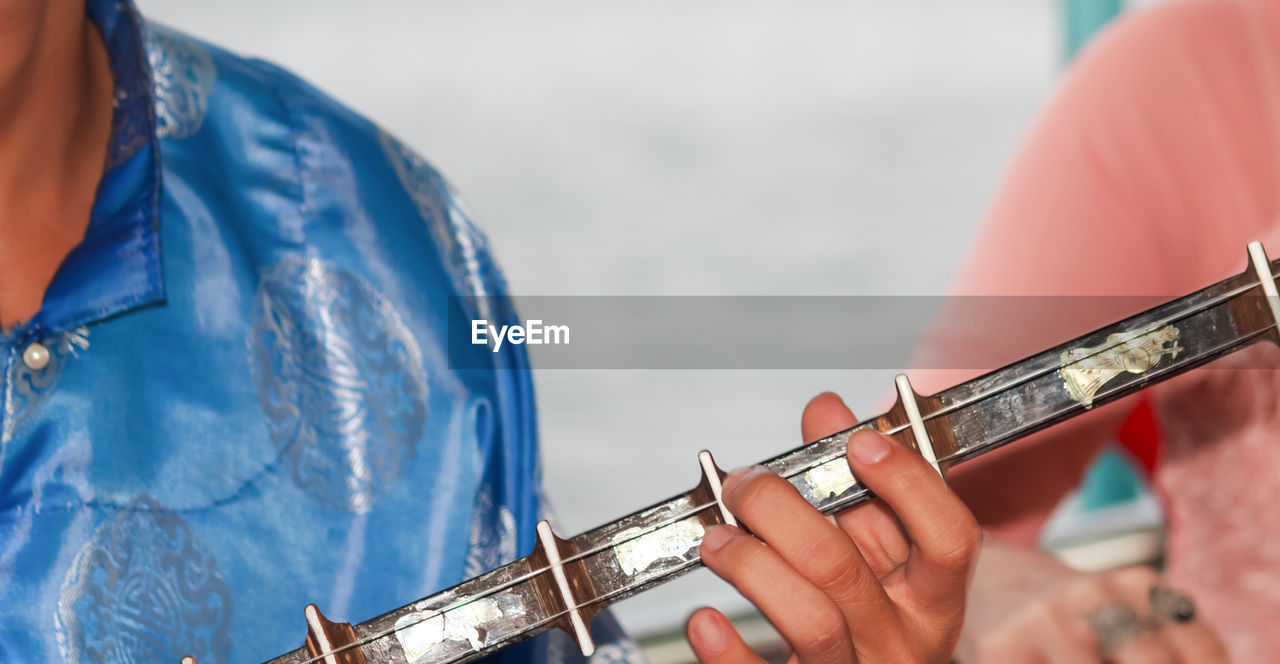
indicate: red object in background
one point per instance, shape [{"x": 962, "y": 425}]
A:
[{"x": 1140, "y": 434}]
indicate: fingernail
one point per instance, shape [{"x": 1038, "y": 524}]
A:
[
  {"x": 717, "y": 536},
  {"x": 709, "y": 634},
  {"x": 868, "y": 448},
  {"x": 740, "y": 477}
]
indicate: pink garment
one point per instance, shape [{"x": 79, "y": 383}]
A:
[{"x": 1158, "y": 159}]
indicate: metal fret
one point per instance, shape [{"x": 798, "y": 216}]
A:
[
  {"x": 711, "y": 477},
  {"x": 907, "y": 397},
  {"x": 1262, "y": 267},
  {"x": 330, "y": 642},
  {"x": 565, "y": 583},
  {"x": 551, "y": 550}
]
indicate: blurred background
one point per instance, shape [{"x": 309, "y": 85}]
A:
[{"x": 693, "y": 147}]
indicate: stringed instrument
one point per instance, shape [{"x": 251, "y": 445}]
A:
[{"x": 565, "y": 583}]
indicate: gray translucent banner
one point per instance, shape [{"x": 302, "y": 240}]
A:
[{"x": 776, "y": 332}]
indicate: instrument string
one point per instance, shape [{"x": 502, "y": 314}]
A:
[
  {"x": 834, "y": 506},
  {"x": 553, "y": 617},
  {"x": 426, "y": 615},
  {"x": 1030, "y": 376},
  {"x": 853, "y": 498}
]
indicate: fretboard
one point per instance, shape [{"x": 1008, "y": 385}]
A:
[{"x": 564, "y": 583}]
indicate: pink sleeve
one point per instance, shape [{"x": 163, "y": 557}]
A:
[{"x": 1147, "y": 173}]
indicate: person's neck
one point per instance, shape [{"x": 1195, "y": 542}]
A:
[{"x": 55, "y": 123}]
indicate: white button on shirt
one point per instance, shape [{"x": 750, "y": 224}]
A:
[{"x": 36, "y": 356}]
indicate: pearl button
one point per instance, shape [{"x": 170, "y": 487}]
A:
[{"x": 36, "y": 356}]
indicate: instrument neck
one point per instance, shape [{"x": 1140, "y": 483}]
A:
[{"x": 564, "y": 583}]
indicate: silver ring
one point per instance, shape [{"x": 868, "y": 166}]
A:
[
  {"x": 1171, "y": 606},
  {"x": 1113, "y": 624}
]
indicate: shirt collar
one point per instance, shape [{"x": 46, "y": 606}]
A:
[{"x": 116, "y": 267}]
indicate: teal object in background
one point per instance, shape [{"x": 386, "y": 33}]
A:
[
  {"x": 1112, "y": 478},
  {"x": 1083, "y": 18},
  {"x": 1111, "y": 519}
]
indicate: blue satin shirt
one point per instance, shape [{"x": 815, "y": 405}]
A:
[{"x": 236, "y": 398}]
